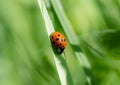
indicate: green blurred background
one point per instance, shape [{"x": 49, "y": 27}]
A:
[{"x": 25, "y": 50}]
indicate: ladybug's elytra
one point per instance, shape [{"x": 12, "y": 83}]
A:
[{"x": 58, "y": 42}]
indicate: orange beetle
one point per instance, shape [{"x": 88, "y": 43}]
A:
[{"x": 58, "y": 42}]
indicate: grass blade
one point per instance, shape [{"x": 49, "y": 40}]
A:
[
  {"x": 60, "y": 62},
  {"x": 48, "y": 23},
  {"x": 73, "y": 40}
]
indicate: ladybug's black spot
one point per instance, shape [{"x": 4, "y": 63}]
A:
[
  {"x": 64, "y": 39},
  {"x": 57, "y": 39},
  {"x": 59, "y": 35}
]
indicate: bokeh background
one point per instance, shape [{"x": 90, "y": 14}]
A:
[{"x": 25, "y": 50}]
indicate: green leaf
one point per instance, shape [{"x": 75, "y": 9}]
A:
[
  {"x": 73, "y": 39},
  {"x": 60, "y": 62}
]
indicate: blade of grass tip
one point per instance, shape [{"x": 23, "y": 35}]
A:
[
  {"x": 60, "y": 62},
  {"x": 72, "y": 37}
]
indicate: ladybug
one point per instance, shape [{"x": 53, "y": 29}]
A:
[{"x": 58, "y": 42}]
